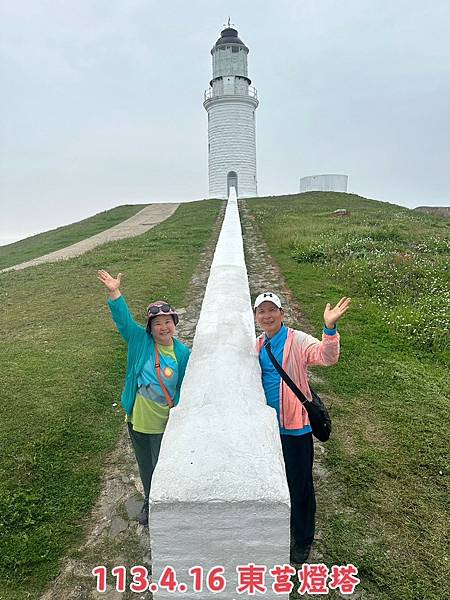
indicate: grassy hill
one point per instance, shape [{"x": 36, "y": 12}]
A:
[
  {"x": 386, "y": 505},
  {"x": 49, "y": 241},
  {"x": 62, "y": 368}
]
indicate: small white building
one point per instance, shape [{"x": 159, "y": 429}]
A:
[
  {"x": 324, "y": 183},
  {"x": 230, "y": 102}
]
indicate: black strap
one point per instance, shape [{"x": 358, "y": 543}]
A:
[{"x": 283, "y": 374}]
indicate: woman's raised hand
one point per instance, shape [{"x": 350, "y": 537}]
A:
[
  {"x": 111, "y": 283},
  {"x": 332, "y": 315}
]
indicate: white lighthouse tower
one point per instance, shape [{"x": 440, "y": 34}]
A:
[{"x": 231, "y": 103}]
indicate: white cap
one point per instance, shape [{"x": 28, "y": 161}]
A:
[{"x": 267, "y": 297}]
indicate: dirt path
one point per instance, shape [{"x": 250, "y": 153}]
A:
[
  {"x": 264, "y": 275},
  {"x": 139, "y": 223},
  {"x": 112, "y": 536}
]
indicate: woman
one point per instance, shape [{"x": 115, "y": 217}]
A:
[{"x": 155, "y": 369}]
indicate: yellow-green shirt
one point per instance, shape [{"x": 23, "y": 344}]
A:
[{"x": 150, "y": 411}]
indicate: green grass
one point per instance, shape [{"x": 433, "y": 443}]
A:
[
  {"x": 62, "y": 369},
  {"x": 49, "y": 241},
  {"x": 385, "y": 507}
]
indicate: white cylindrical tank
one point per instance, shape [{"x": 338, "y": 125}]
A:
[
  {"x": 230, "y": 103},
  {"x": 324, "y": 183}
]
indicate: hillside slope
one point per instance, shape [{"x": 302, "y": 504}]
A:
[
  {"x": 55, "y": 239},
  {"x": 385, "y": 506},
  {"x": 62, "y": 371},
  {"x": 385, "y": 503}
]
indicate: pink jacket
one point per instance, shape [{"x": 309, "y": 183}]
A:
[{"x": 300, "y": 351}]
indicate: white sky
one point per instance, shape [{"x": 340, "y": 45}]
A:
[{"x": 101, "y": 101}]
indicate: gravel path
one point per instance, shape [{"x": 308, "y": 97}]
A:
[
  {"x": 265, "y": 275},
  {"x": 139, "y": 223}
]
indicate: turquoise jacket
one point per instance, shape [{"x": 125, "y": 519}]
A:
[{"x": 141, "y": 347}]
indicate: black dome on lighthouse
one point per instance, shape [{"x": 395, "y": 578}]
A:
[{"x": 229, "y": 36}]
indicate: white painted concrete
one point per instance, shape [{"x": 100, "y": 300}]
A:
[
  {"x": 324, "y": 183},
  {"x": 231, "y": 144},
  {"x": 231, "y": 103},
  {"x": 219, "y": 493}
]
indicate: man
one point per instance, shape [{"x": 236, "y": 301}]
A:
[{"x": 295, "y": 351}]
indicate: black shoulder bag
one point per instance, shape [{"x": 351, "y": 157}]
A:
[{"x": 319, "y": 418}]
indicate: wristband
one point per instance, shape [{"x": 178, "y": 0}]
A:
[{"x": 329, "y": 331}]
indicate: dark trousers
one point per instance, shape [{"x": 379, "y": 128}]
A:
[
  {"x": 298, "y": 453},
  {"x": 146, "y": 448}
]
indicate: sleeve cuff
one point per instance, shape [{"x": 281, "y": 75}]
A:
[
  {"x": 329, "y": 331},
  {"x": 113, "y": 301}
]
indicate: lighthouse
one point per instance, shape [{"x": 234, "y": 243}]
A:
[{"x": 230, "y": 102}]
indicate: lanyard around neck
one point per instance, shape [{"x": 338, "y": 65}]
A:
[{"x": 158, "y": 371}]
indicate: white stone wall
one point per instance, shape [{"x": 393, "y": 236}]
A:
[
  {"x": 219, "y": 493},
  {"x": 232, "y": 144},
  {"x": 324, "y": 183}
]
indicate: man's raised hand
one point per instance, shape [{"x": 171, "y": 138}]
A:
[{"x": 332, "y": 315}]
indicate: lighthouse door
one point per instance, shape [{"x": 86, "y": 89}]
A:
[{"x": 232, "y": 181}]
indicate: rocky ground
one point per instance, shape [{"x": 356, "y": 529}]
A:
[
  {"x": 264, "y": 275},
  {"x": 112, "y": 535}
]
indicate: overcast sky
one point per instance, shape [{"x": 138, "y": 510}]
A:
[{"x": 101, "y": 101}]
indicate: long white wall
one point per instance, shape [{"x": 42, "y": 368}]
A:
[{"x": 219, "y": 493}]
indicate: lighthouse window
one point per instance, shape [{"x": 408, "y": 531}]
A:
[{"x": 235, "y": 49}]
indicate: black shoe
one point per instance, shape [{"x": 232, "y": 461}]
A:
[
  {"x": 143, "y": 517},
  {"x": 299, "y": 555}
]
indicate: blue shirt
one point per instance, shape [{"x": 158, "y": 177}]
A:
[
  {"x": 148, "y": 381},
  {"x": 271, "y": 378}
]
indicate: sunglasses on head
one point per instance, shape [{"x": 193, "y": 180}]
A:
[{"x": 163, "y": 308}]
